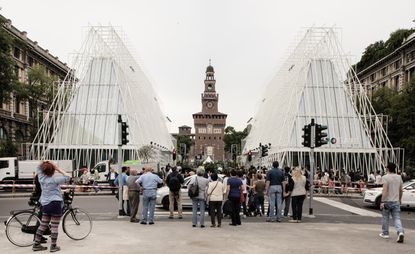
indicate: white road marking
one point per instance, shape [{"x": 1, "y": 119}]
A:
[{"x": 349, "y": 208}]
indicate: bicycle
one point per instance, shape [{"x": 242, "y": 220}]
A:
[{"x": 22, "y": 224}]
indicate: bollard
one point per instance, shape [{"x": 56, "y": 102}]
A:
[{"x": 13, "y": 188}]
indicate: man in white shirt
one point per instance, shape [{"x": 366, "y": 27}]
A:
[{"x": 391, "y": 202}]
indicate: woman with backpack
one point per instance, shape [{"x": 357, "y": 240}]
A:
[
  {"x": 298, "y": 194},
  {"x": 196, "y": 190}
]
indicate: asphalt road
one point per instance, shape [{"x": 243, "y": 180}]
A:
[{"x": 105, "y": 208}]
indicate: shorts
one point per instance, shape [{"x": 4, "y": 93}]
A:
[{"x": 54, "y": 208}]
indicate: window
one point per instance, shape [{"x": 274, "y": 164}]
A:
[
  {"x": 202, "y": 130},
  {"x": 30, "y": 61},
  {"x": 209, "y": 129},
  {"x": 383, "y": 71},
  {"x": 372, "y": 77},
  {"x": 17, "y": 106},
  {"x": 398, "y": 64},
  {"x": 217, "y": 131},
  {"x": 396, "y": 83},
  {"x": 16, "y": 53},
  {"x": 3, "y": 134},
  {"x": 101, "y": 168},
  {"x": 4, "y": 164},
  {"x": 18, "y": 135}
]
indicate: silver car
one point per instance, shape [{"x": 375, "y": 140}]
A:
[{"x": 163, "y": 194}]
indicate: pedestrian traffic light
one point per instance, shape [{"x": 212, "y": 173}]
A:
[
  {"x": 320, "y": 135},
  {"x": 174, "y": 154},
  {"x": 124, "y": 133},
  {"x": 249, "y": 156},
  {"x": 307, "y": 136},
  {"x": 264, "y": 151}
]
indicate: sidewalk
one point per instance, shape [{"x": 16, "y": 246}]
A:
[{"x": 179, "y": 237}]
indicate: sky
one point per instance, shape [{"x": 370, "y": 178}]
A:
[{"x": 247, "y": 40}]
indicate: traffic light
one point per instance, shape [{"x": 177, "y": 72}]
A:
[
  {"x": 249, "y": 156},
  {"x": 124, "y": 133},
  {"x": 174, "y": 154},
  {"x": 321, "y": 137},
  {"x": 307, "y": 136},
  {"x": 234, "y": 151},
  {"x": 264, "y": 151}
]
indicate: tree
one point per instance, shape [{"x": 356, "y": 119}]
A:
[
  {"x": 145, "y": 153},
  {"x": 376, "y": 51},
  {"x": 233, "y": 137},
  {"x": 7, "y": 149},
  {"x": 8, "y": 78},
  {"x": 401, "y": 109},
  {"x": 39, "y": 90},
  {"x": 183, "y": 139}
]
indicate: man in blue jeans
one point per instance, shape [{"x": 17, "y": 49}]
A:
[
  {"x": 391, "y": 202},
  {"x": 274, "y": 190},
  {"x": 149, "y": 182}
]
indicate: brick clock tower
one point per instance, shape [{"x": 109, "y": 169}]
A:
[{"x": 209, "y": 123}]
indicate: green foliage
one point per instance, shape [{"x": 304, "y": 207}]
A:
[
  {"x": 8, "y": 78},
  {"x": 401, "y": 109},
  {"x": 183, "y": 139},
  {"x": 234, "y": 137},
  {"x": 376, "y": 51},
  {"x": 8, "y": 149}
]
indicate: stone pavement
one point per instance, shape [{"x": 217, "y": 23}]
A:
[{"x": 179, "y": 237}]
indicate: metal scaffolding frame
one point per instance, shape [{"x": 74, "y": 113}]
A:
[
  {"x": 317, "y": 81},
  {"x": 105, "y": 81}
]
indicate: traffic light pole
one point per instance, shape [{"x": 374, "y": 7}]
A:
[
  {"x": 120, "y": 187},
  {"x": 311, "y": 179},
  {"x": 311, "y": 176}
]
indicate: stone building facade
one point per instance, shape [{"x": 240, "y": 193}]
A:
[
  {"x": 209, "y": 124},
  {"x": 393, "y": 71},
  {"x": 15, "y": 117}
]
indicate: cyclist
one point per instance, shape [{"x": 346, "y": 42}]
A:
[{"x": 51, "y": 201}]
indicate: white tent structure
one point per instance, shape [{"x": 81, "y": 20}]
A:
[
  {"x": 106, "y": 82},
  {"x": 315, "y": 82}
]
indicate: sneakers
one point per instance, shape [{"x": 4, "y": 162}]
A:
[
  {"x": 171, "y": 217},
  {"x": 54, "y": 248},
  {"x": 400, "y": 238},
  {"x": 38, "y": 247},
  {"x": 384, "y": 236},
  {"x": 293, "y": 221}
]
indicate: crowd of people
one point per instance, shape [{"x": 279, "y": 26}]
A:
[
  {"x": 239, "y": 189},
  {"x": 239, "y": 192}
]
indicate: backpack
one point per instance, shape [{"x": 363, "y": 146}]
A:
[
  {"x": 290, "y": 185},
  {"x": 307, "y": 185},
  {"x": 174, "y": 183},
  {"x": 193, "y": 190}
]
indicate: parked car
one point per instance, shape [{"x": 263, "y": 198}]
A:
[
  {"x": 163, "y": 194},
  {"x": 373, "y": 196}
]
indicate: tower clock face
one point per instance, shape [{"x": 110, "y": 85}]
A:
[
  {"x": 209, "y": 87},
  {"x": 209, "y": 104}
]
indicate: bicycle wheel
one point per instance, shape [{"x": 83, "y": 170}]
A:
[
  {"x": 77, "y": 224},
  {"x": 21, "y": 228}
]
